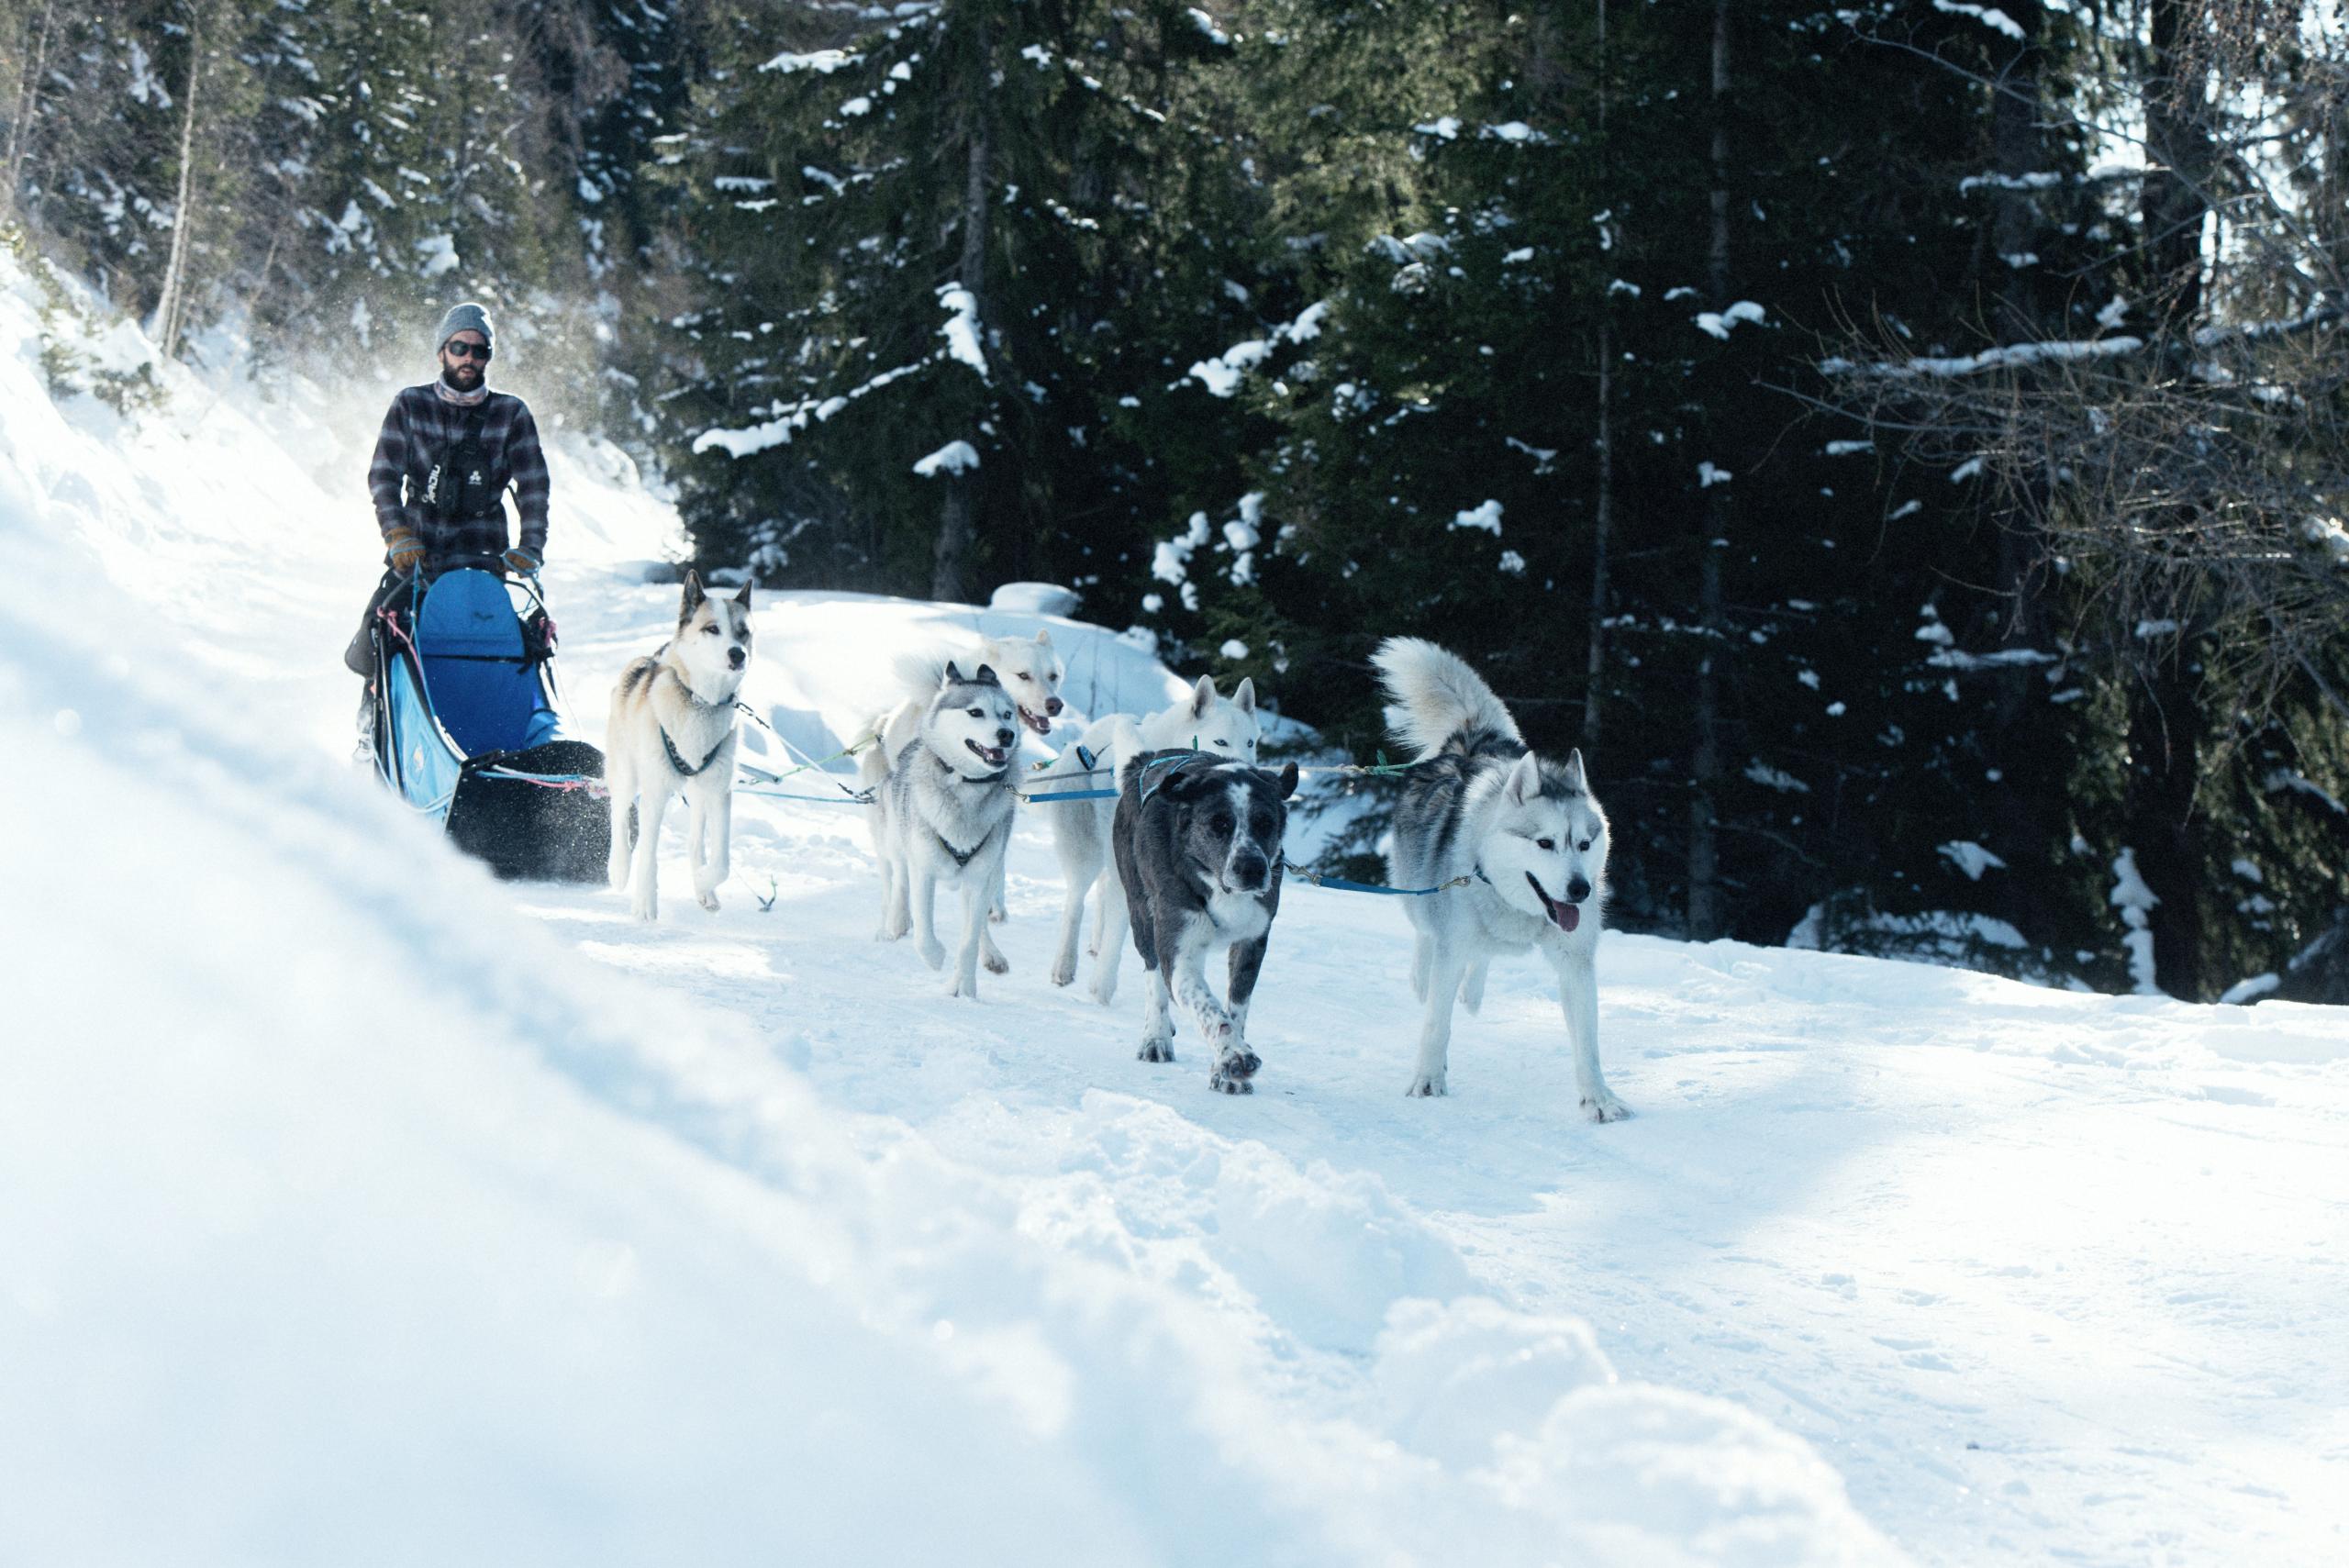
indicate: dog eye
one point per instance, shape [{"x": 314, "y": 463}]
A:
[
  {"x": 976, "y": 714},
  {"x": 709, "y": 632},
  {"x": 1220, "y": 823},
  {"x": 1546, "y": 844},
  {"x": 1587, "y": 843},
  {"x": 1225, "y": 744}
]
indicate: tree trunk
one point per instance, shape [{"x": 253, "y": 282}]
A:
[
  {"x": 1705, "y": 763},
  {"x": 1602, "y": 526},
  {"x": 170, "y": 312},
  {"x": 2164, "y": 717},
  {"x": 27, "y": 105},
  {"x": 958, "y": 526}
]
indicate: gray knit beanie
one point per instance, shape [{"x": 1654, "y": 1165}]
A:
[{"x": 465, "y": 318}]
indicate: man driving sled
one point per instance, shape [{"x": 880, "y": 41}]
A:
[{"x": 449, "y": 449}]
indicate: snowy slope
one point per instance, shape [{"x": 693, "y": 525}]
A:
[{"x": 381, "y": 1208}]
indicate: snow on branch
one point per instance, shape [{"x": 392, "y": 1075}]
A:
[
  {"x": 952, "y": 457},
  {"x": 2007, "y": 357},
  {"x": 962, "y": 327},
  {"x": 823, "y": 62},
  {"x": 1988, "y": 15}
]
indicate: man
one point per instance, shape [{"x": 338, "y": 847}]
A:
[
  {"x": 454, "y": 511},
  {"x": 448, "y": 451}
]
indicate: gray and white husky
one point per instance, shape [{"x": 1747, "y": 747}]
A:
[
  {"x": 1528, "y": 831},
  {"x": 1225, "y": 729},
  {"x": 1198, "y": 852},
  {"x": 944, "y": 814},
  {"x": 1031, "y": 672},
  {"x": 671, "y": 731}
]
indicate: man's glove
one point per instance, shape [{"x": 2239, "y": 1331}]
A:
[
  {"x": 405, "y": 548},
  {"x": 523, "y": 563}
]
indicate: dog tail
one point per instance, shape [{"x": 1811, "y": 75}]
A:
[
  {"x": 920, "y": 674},
  {"x": 1434, "y": 697}
]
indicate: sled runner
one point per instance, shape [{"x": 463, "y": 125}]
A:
[{"x": 468, "y": 727}]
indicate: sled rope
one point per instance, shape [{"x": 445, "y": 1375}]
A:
[{"x": 1340, "y": 885}]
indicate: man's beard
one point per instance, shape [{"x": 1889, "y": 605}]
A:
[{"x": 450, "y": 375}]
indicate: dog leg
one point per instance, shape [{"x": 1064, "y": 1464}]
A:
[
  {"x": 1157, "y": 1022},
  {"x": 701, "y": 836},
  {"x": 1423, "y": 956},
  {"x": 1472, "y": 987},
  {"x": 924, "y": 891},
  {"x": 1236, "y": 1061},
  {"x": 975, "y": 931},
  {"x": 1579, "y": 995},
  {"x": 997, "y": 913},
  {"x": 1113, "y": 943},
  {"x": 620, "y": 781},
  {"x": 644, "y": 874},
  {"x": 1071, "y": 928},
  {"x": 1435, "y": 1032},
  {"x": 1080, "y": 868},
  {"x": 1101, "y": 913},
  {"x": 721, "y": 846}
]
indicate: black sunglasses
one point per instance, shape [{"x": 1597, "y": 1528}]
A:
[{"x": 468, "y": 351}]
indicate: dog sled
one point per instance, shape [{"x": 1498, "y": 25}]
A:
[{"x": 468, "y": 725}]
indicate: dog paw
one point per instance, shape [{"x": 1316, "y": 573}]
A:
[
  {"x": 998, "y": 916},
  {"x": 1425, "y": 1086},
  {"x": 1156, "y": 1051},
  {"x": 709, "y": 901},
  {"x": 1064, "y": 973},
  {"x": 1234, "y": 1074},
  {"x": 933, "y": 953},
  {"x": 645, "y": 911},
  {"x": 1603, "y": 1106},
  {"x": 996, "y": 964}
]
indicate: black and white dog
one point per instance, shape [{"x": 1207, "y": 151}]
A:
[
  {"x": 944, "y": 814},
  {"x": 1197, "y": 841},
  {"x": 1480, "y": 805}
]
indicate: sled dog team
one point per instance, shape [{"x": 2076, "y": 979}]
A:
[{"x": 1187, "y": 856}]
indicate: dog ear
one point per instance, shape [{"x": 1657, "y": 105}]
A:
[
  {"x": 1044, "y": 637},
  {"x": 694, "y": 595},
  {"x": 1575, "y": 781},
  {"x": 1203, "y": 697},
  {"x": 985, "y": 675},
  {"x": 1244, "y": 698},
  {"x": 743, "y": 598},
  {"x": 953, "y": 676},
  {"x": 1288, "y": 779},
  {"x": 1524, "y": 782}
]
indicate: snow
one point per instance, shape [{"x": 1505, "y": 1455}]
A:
[
  {"x": 1206, "y": 24},
  {"x": 823, "y": 62},
  {"x": 961, "y": 329},
  {"x": 1709, "y": 475},
  {"x": 952, "y": 457},
  {"x": 2135, "y": 900},
  {"x": 389, "y": 1214},
  {"x": 1034, "y": 599},
  {"x": 1485, "y": 515},
  {"x": 438, "y": 253},
  {"x": 1971, "y": 859},
  {"x": 1233, "y": 650},
  {"x": 1989, "y": 16}
]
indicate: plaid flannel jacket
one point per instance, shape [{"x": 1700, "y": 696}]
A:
[{"x": 420, "y": 427}]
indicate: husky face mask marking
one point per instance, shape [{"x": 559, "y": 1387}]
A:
[
  {"x": 972, "y": 723},
  {"x": 713, "y": 638},
  {"x": 1546, "y": 850}
]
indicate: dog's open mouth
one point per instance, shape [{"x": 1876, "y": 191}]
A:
[
  {"x": 1563, "y": 916},
  {"x": 1036, "y": 722},
  {"x": 997, "y": 756}
]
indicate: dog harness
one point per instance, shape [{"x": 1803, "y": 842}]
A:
[{"x": 962, "y": 858}]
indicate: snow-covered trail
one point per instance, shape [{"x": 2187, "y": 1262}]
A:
[{"x": 2037, "y": 1276}]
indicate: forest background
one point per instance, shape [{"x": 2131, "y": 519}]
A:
[{"x": 1901, "y": 445}]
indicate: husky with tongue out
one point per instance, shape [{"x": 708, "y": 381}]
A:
[
  {"x": 944, "y": 814},
  {"x": 1528, "y": 832}
]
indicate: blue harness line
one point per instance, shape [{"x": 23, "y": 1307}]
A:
[{"x": 1340, "y": 885}]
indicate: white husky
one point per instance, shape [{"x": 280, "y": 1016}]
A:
[
  {"x": 1224, "y": 728},
  {"x": 1528, "y": 833},
  {"x": 672, "y": 731},
  {"x": 944, "y": 814},
  {"x": 1030, "y": 673}
]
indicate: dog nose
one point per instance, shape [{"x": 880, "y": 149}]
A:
[
  {"x": 1250, "y": 870},
  {"x": 736, "y": 657},
  {"x": 1006, "y": 737},
  {"x": 1577, "y": 890},
  {"x": 1052, "y": 706}
]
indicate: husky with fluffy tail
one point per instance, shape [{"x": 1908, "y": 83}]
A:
[
  {"x": 945, "y": 814},
  {"x": 1224, "y": 728},
  {"x": 671, "y": 732},
  {"x": 1480, "y": 805}
]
